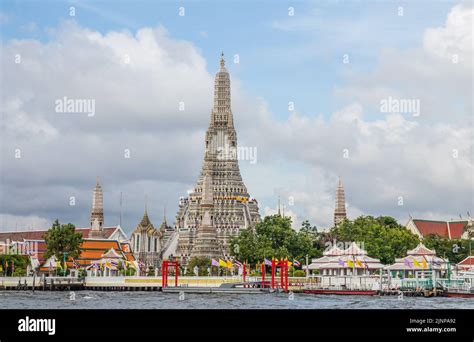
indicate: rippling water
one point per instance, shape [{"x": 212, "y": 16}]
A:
[{"x": 159, "y": 300}]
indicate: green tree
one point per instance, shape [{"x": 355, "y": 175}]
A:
[
  {"x": 274, "y": 237},
  {"x": 14, "y": 264},
  {"x": 382, "y": 237},
  {"x": 61, "y": 240},
  {"x": 454, "y": 250},
  {"x": 202, "y": 263}
]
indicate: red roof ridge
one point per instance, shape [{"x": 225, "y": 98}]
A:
[{"x": 440, "y": 221}]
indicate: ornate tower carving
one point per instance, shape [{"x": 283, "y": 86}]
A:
[
  {"x": 206, "y": 238},
  {"x": 97, "y": 212},
  {"x": 232, "y": 208},
  {"x": 340, "y": 210}
]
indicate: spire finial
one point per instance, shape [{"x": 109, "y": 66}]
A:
[
  {"x": 222, "y": 59},
  {"x": 279, "y": 212}
]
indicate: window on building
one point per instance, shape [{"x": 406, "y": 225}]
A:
[
  {"x": 149, "y": 244},
  {"x": 138, "y": 243}
]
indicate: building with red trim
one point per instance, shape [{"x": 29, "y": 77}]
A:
[{"x": 448, "y": 229}]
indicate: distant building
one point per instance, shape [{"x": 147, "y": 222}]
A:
[
  {"x": 100, "y": 257},
  {"x": 97, "y": 245},
  {"x": 340, "y": 208},
  {"x": 146, "y": 242},
  {"x": 352, "y": 261},
  {"x": 418, "y": 260},
  {"x": 447, "y": 229}
]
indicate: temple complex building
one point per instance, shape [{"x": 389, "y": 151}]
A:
[
  {"x": 459, "y": 229},
  {"x": 146, "y": 242},
  {"x": 417, "y": 262},
  {"x": 340, "y": 208},
  {"x": 106, "y": 246},
  {"x": 206, "y": 220},
  {"x": 352, "y": 261}
]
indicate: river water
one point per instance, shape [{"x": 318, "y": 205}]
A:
[{"x": 159, "y": 300}]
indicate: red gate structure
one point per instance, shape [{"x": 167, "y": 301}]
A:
[
  {"x": 165, "y": 264},
  {"x": 283, "y": 265}
]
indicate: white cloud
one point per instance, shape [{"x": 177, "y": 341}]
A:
[
  {"x": 455, "y": 38},
  {"x": 390, "y": 156}
]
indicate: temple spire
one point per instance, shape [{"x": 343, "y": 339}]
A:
[
  {"x": 221, "y": 112},
  {"x": 219, "y": 206},
  {"x": 222, "y": 60},
  {"x": 145, "y": 219},
  {"x": 340, "y": 210},
  {"x": 97, "y": 212}
]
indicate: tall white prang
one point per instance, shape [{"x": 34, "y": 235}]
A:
[{"x": 219, "y": 206}]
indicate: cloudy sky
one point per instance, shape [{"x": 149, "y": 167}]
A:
[{"x": 335, "y": 61}]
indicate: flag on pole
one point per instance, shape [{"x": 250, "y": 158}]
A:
[
  {"x": 296, "y": 263},
  {"x": 58, "y": 265},
  {"x": 416, "y": 263},
  {"x": 238, "y": 263},
  {"x": 350, "y": 263},
  {"x": 267, "y": 262},
  {"x": 229, "y": 264},
  {"x": 222, "y": 263},
  {"x": 359, "y": 263},
  {"x": 423, "y": 262},
  {"x": 75, "y": 264},
  {"x": 408, "y": 263},
  {"x": 214, "y": 263},
  {"x": 341, "y": 262}
]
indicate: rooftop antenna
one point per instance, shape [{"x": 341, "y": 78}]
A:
[{"x": 120, "y": 209}]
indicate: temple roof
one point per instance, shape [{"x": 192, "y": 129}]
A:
[
  {"x": 448, "y": 229},
  {"x": 145, "y": 222},
  {"x": 469, "y": 261},
  {"x": 334, "y": 250},
  {"x": 354, "y": 249},
  {"x": 421, "y": 249}
]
